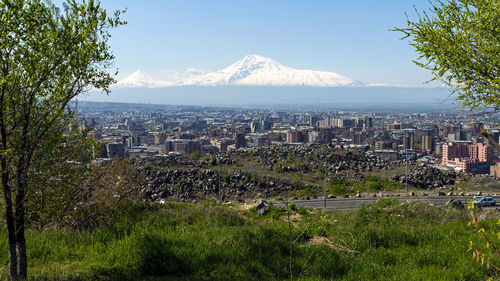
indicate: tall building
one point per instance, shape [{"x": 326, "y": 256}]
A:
[
  {"x": 182, "y": 146},
  {"x": 438, "y": 148},
  {"x": 347, "y": 123},
  {"x": 255, "y": 126},
  {"x": 475, "y": 127},
  {"x": 294, "y": 136},
  {"x": 160, "y": 138},
  {"x": 359, "y": 138},
  {"x": 115, "y": 150},
  {"x": 495, "y": 135},
  {"x": 427, "y": 140},
  {"x": 313, "y": 120},
  {"x": 460, "y": 135},
  {"x": 467, "y": 158},
  {"x": 409, "y": 140},
  {"x": 313, "y": 136},
  {"x": 359, "y": 122},
  {"x": 325, "y": 135},
  {"x": 368, "y": 122},
  {"x": 241, "y": 141},
  {"x": 222, "y": 143},
  {"x": 266, "y": 125}
]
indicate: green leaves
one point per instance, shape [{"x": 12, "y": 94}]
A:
[{"x": 460, "y": 45}]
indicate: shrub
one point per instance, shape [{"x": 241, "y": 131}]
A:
[
  {"x": 337, "y": 186},
  {"x": 296, "y": 182}
]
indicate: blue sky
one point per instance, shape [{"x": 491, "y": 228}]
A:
[{"x": 347, "y": 37}]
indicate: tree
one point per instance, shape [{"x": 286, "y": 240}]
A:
[
  {"x": 47, "y": 58},
  {"x": 460, "y": 45}
]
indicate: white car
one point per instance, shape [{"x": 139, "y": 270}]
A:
[{"x": 485, "y": 201}]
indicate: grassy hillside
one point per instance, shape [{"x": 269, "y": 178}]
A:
[{"x": 179, "y": 241}]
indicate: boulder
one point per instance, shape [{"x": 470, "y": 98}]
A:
[
  {"x": 455, "y": 203},
  {"x": 262, "y": 207}
]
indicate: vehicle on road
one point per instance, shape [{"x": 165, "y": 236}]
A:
[{"x": 485, "y": 201}]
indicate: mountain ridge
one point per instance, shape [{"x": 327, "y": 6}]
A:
[{"x": 251, "y": 70}]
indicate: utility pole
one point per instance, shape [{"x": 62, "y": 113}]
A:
[
  {"x": 220, "y": 189},
  {"x": 326, "y": 173},
  {"x": 406, "y": 177}
]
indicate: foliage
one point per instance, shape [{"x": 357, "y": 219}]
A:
[
  {"x": 370, "y": 183},
  {"x": 108, "y": 190},
  {"x": 319, "y": 172},
  {"x": 296, "y": 182},
  {"x": 47, "y": 59},
  {"x": 485, "y": 250},
  {"x": 308, "y": 191},
  {"x": 225, "y": 173},
  {"x": 255, "y": 178},
  {"x": 57, "y": 185},
  {"x": 195, "y": 155},
  {"x": 459, "y": 42},
  {"x": 84, "y": 196},
  {"x": 337, "y": 186},
  {"x": 276, "y": 171}
]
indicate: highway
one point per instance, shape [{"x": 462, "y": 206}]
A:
[{"x": 353, "y": 203}]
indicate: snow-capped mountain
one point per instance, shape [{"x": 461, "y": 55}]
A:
[
  {"x": 255, "y": 70},
  {"x": 140, "y": 79},
  {"x": 252, "y": 70}
]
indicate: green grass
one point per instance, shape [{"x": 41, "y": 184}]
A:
[
  {"x": 180, "y": 241},
  {"x": 369, "y": 184}
]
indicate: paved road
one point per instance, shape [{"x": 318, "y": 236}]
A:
[{"x": 353, "y": 203}]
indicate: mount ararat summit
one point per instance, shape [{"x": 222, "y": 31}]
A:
[{"x": 252, "y": 70}]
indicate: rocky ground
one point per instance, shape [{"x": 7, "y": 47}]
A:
[
  {"x": 426, "y": 177},
  {"x": 189, "y": 184},
  {"x": 270, "y": 171}
]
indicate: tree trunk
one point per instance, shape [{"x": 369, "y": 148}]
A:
[
  {"x": 23, "y": 259},
  {"x": 12, "y": 261},
  {"x": 9, "y": 216},
  {"x": 19, "y": 220}
]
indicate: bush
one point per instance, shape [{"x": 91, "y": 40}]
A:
[
  {"x": 296, "y": 182},
  {"x": 98, "y": 195},
  {"x": 337, "y": 186},
  {"x": 306, "y": 192}
]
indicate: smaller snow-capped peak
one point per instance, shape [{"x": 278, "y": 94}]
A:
[{"x": 140, "y": 79}]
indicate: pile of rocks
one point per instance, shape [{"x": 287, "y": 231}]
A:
[
  {"x": 191, "y": 184},
  {"x": 310, "y": 158},
  {"x": 426, "y": 177}
]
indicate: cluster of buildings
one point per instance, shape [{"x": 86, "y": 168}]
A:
[
  {"x": 468, "y": 158},
  {"x": 453, "y": 140}
]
